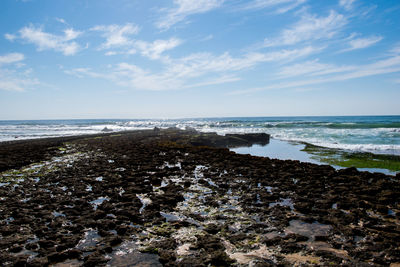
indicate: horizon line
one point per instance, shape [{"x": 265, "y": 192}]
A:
[{"x": 217, "y": 117}]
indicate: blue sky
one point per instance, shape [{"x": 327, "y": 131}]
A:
[{"x": 198, "y": 58}]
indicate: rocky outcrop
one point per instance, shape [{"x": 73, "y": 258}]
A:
[{"x": 165, "y": 198}]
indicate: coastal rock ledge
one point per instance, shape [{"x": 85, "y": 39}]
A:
[{"x": 170, "y": 197}]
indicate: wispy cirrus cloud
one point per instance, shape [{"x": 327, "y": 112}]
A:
[
  {"x": 312, "y": 68},
  {"x": 194, "y": 70},
  {"x": 15, "y": 81},
  {"x": 11, "y": 58},
  {"x": 359, "y": 43},
  {"x": 119, "y": 40},
  {"x": 313, "y": 73},
  {"x": 47, "y": 41},
  {"x": 117, "y": 35},
  {"x": 281, "y": 6},
  {"x": 309, "y": 28},
  {"x": 291, "y": 6},
  {"x": 12, "y": 78},
  {"x": 153, "y": 50},
  {"x": 184, "y": 8},
  {"x": 346, "y": 4}
]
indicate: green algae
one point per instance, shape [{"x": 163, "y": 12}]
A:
[
  {"x": 347, "y": 159},
  {"x": 67, "y": 155},
  {"x": 165, "y": 229}
]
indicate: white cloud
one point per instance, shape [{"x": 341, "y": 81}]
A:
[
  {"x": 11, "y": 58},
  {"x": 61, "y": 20},
  {"x": 155, "y": 49},
  {"x": 214, "y": 81},
  {"x": 195, "y": 70},
  {"x": 13, "y": 77},
  {"x": 282, "y": 5},
  {"x": 206, "y": 38},
  {"x": 360, "y": 43},
  {"x": 185, "y": 8},
  {"x": 346, "y": 4},
  {"x": 13, "y": 83},
  {"x": 308, "y": 28},
  {"x": 312, "y": 68},
  {"x": 111, "y": 53},
  {"x": 134, "y": 77},
  {"x": 47, "y": 41},
  {"x": 10, "y": 37},
  {"x": 290, "y": 7},
  {"x": 395, "y": 50},
  {"x": 321, "y": 76},
  {"x": 117, "y": 35}
]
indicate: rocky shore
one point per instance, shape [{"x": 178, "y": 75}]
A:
[{"x": 181, "y": 198}]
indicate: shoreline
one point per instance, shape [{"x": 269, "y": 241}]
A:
[
  {"x": 387, "y": 163},
  {"x": 173, "y": 197},
  {"x": 337, "y": 158}
]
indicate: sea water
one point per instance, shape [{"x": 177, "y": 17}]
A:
[{"x": 376, "y": 134}]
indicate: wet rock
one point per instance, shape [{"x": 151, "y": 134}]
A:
[
  {"x": 46, "y": 243},
  {"x": 209, "y": 243},
  {"x": 121, "y": 229},
  {"x": 31, "y": 246},
  {"x": 355, "y": 205},
  {"x": 290, "y": 247},
  {"x": 218, "y": 258},
  {"x": 271, "y": 241},
  {"x": 320, "y": 238},
  {"x": 167, "y": 256},
  {"x": 38, "y": 262},
  {"x": 16, "y": 249},
  {"x": 212, "y": 229},
  {"x": 94, "y": 259},
  {"x": 73, "y": 253},
  {"x": 114, "y": 240},
  {"x": 21, "y": 261}
]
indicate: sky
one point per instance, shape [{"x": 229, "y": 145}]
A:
[{"x": 72, "y": 59}]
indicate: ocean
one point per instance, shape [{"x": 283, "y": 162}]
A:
[{"x": 376, "y": 134}]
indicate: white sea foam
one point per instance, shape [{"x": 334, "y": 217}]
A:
[
  {"x": 371, "y": 134},
  {"x": 373, "y": 148}
]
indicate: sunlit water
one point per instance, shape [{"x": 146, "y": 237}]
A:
[{"x": 376, "y": 134}]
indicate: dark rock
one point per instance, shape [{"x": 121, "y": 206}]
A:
[
  {"x": 212, "y": 229},
  {"x": 94, "y": 259},
  {"x": 166, "y": 256},
  {"x": 38, "y": 262},
  {"x": 219, "y": 258},
  {"x": 16, "y": 249},
  {"x": 46, "y": 243}
]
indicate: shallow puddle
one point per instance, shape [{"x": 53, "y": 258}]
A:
[
  {"x": 127, "y": 254},
  {"x": 69, "y": 263},
  {"x": 299, "y": 258},
  {"x": 310, "y": 230},
  {"x": 286, "y": 202},
  {"x": 90, "y": 240},
  {"x": 246, "y": 258},
  {"x": 98, "y": 202},
  {"x": 145, "y": 201}
]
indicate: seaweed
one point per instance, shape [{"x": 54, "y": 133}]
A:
[{"x": 347, "y": 159}]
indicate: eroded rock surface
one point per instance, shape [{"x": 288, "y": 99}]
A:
[{"x": 165, "y": 197}]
